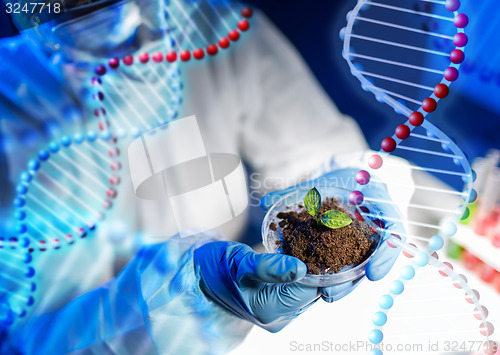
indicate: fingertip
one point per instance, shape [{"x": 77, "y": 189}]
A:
[
  {"x": 264, "y": 203},
  {"x": 271, "y": 198},
  {"x": 268, "y": 200},
  {"x": 335, "y": 293},
  {"x": 278, "y": 268},
  {"x": 296, "y": 269},
  {"x": 301, "y": 270},
  {"x": 385, "y": 257},
  {"x": 378, "y": 269},
  {"x": 373, "y": 274},
  {"x": 327, "y": 299}
]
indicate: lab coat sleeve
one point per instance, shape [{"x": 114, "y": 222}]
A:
[
  {"x": 154, "y": 306},
  {"x": 290, "y": 126}
]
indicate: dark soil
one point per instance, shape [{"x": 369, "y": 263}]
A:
[{"x": 322, "y": 249}]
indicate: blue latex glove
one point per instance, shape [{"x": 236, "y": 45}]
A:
[
  {"x": 256, "y": 287},
  {"x": 385, "y": 257}
]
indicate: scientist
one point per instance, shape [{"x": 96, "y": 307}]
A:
[{"x": 194, "y": 295}]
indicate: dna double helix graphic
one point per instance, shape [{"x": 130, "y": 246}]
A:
[
  {"x": 67, "y": 189},
  {"x": 388, "y": 46},
  {"x": 63, "y": 195}
]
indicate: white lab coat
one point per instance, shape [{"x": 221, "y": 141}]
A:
[{"x": 257, "y": 100}]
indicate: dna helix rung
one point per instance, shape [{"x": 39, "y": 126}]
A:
[
  {"x": 429, "y": 200},
  {"x": 392, "y": 63},
  {"x": 66, "y": 191},
  {"x": 134, "y": 100},
  {"x": 448, "y": 160}
]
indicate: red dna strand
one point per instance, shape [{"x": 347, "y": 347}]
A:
[
  {"x": 390, "y": 58},
  {"x": 143, "y": 90},
  {"x": 204, "y": 27}
]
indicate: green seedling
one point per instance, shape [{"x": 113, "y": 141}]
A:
[{"x": 332, "y": 219}]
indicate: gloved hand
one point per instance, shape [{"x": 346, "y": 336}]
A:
[
  {"x": 257, "y": 287},
  {"x": 385, "y": 257}
]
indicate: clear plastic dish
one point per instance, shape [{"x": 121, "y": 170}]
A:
[{"x": 291, "y": 202}]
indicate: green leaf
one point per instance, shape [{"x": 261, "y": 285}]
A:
[
  {"x": 312, "y": 202},
  {"x": 335, "y": 219}
]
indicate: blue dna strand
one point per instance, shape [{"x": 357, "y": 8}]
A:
[
  {"x": 66, "y": 191},
  {"x": 388, "y": 47},
  {"x": 17, "y": 284}
]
